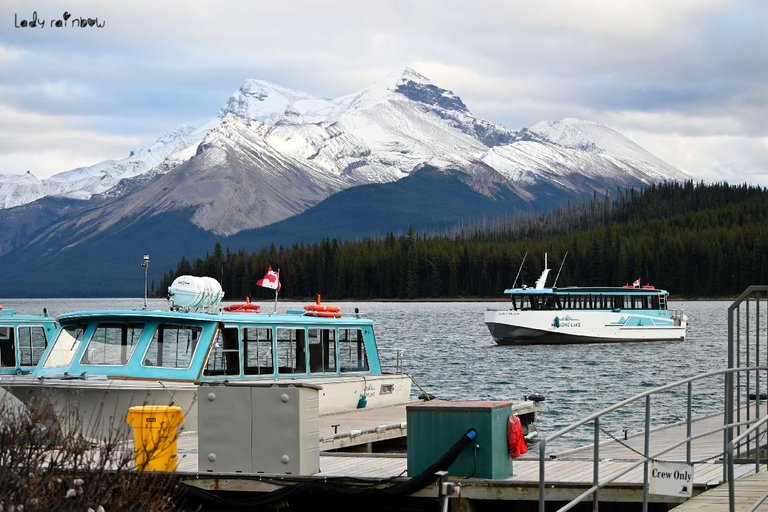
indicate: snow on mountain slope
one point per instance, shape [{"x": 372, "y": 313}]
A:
[
  {"x": 84, "y": 182},
  {"x": 376, "y": 135},
  {"x": 235, "y": 181},
  {"x": 558, "y": 151},
  {"x": 599, "y": 139}
]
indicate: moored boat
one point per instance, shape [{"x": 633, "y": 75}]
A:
[
  {"x": 550, "y": 315},
  {"x": 103, "y": 362},
  {"x": 23, "y": 339}
]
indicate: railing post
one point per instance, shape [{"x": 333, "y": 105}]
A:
[
  {"x": 689, "y": 423},
  {"x": 731, "y": 478},
  {"x": 596, "y": 464},
  {"x": 542, "y": 451},
  {"x": 728, "y": 387},
  {"x": 646, "y": 450}
]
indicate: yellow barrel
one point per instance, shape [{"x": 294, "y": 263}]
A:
[{"x": 155, "y": 430}]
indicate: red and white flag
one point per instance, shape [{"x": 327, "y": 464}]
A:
[
  {"x": 636, "y": 284},
  {"x": 270, "y": 280}
]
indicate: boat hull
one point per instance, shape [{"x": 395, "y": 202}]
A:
[
  {"x": 511, "y": 327},
  {"x": 96, "y": 408}
]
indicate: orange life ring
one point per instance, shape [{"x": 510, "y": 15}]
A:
[
  {"x": 243, "y": 307},
  {"x": 322, "y": 308},
  {"x": 317, "y": 308},
  {"x": 649, "y": 287}
]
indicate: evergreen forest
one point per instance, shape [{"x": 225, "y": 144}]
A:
[{"x": 695, "y": 240}]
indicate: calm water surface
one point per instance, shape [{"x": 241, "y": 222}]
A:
[{"x": 450, "y": 354}]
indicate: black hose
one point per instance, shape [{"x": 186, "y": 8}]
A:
[{"x": 429, "y": 475}]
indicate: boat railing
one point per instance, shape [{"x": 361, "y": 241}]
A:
[
  {"x": 598, "y": 421},
  {"x": 392, "y": 360},
  {"x": 678, "y": 315}
]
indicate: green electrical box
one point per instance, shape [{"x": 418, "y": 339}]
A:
[{"x": 433, "y": 427}]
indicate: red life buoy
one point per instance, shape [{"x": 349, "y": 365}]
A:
[
  {"x": 318, "y": 309},
  {"x": 515, "y": 437},
  {"x": 243, "y": 307},
  {"x": 322, "y": 307}
]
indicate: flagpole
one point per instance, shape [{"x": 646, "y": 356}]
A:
[{"x": 274, "y": 311}]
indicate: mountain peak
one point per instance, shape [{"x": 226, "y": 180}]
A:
[
  {"x": 417, "y": 87},
  {"x": 270, "y": 103}
]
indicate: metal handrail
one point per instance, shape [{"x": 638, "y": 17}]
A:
[
  {"x": 732, "y": 444},
  {"x": 595, "y": 418}
]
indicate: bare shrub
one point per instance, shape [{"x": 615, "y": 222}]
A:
[{"x": 45, "y": 468}]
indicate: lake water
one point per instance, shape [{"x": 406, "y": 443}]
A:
[{"x": 450, "y": 353}]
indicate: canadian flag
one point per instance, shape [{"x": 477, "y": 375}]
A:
[
  {"x": 636, "y": 284},
  {"x": 270, "y": 280}
]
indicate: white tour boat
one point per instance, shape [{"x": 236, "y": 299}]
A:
[{"x": 577, "y": 314}]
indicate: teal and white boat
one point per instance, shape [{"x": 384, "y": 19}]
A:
[
  {"x": 23, "y": 339},
  {"x": 542, "y": 315},
  {"x": 103, "y": 362}
]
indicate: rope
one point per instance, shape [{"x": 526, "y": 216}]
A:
[
  {"x": 651, "y": 459},
  {"x": 423, "y": 391},
  {"x": 173, "y": 397}
]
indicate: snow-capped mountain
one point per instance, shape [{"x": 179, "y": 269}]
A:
[
  {"x": 85, "y": 182},
  {"x": 278, "y": 164},
  {"x": 290, "y": 149}
]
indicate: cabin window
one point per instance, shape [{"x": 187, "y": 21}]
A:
[
  {"x": 257, "y": 347},
  {"x": 352, "y": 356},
  {"x": 66, "y": 344},
  {"x": 32, "y": 343},
  {"x": 224, "y": 357},
  {"x": 7, "y": 348},
  {"x": 290, "y": 351},
  {"x": 173, "y": 346},
  {"x": 112, "y": 344},
  {"x": 322, "y": 350}
]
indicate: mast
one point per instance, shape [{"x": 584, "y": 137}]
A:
[
  {"x": 541, "y": 282},
  {"x": 520, "y": 269},
  {"x": 560, "y": 270}
]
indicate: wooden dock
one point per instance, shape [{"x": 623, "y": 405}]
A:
[
  {"x": 567, "y": 473},
  {"x": 748, "y": 491}
]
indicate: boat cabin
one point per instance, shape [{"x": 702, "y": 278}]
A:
[
  {"x": 202, "y": 346},
  {"x": 23, "y": 339},
  {"x": 580, "y": 298}
]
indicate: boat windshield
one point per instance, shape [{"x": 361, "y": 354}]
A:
[
  {"x": 66, "y": 345},
  {"x": 172, "y": 346},
  {"x": 112, "y": 344}
]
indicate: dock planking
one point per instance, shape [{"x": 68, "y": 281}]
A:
[
  {"x": 567, "y": 473},
  {"x": 748, "y": 490}
]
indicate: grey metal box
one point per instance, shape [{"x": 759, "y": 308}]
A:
[{"x": 257, "y": 428}]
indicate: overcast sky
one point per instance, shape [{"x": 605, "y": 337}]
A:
[{"x": 685, "y": 79}]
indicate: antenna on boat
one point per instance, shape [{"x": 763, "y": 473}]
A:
[
  {"x": 561, "y": 269},
  {"x": 145, "y": 266},
  {"x": 520, "y": 269}
]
